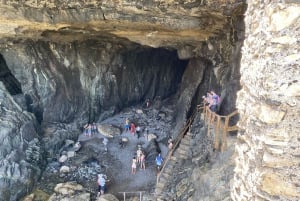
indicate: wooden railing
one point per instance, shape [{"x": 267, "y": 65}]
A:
[
  {"x": 177, "y": 140},
  {"x": 221, "y": 127},
  {"x": 139, "y": 193}
]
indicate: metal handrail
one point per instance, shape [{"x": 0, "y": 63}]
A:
[{"x": 134, "y": 192}]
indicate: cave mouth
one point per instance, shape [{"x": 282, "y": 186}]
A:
[{"x": 12, "y": 85}]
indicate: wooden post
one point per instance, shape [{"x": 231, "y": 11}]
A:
[
  {"x": 224, "y": 135},
  {"x": 124, "y": 196},
  {"x": 140, "y": 196},
  {"x": 217, "y": 133}
]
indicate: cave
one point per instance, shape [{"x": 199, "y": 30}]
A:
[
  {"x": 64, "y": 64},
  {"x": 12, "y": 85}
]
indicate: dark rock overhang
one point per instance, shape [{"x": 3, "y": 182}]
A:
[{"x": 157, "y": 24}]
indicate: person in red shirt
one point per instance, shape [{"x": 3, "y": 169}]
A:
[{"x": 132, "y": 129}]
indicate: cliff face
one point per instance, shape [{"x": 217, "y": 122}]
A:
[
  {"x": 267, "y": 165},
  {"x": 64, "y": 63}
]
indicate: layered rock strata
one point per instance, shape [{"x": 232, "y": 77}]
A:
[{"x": 267, "y": 163}]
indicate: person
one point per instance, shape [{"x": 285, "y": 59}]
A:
[
  {"x": 105, "y": 141},
  {"x": 139, "y": 154},
  {"x": 146, "y": 133},
  {"x": 132, "y": 129},
  {"x": 133, "y": 165},
  {"x": 159, "y": 161},
  {"x": 94, "y": 128},
  {"x": 147, "y": 102},
  {"x": 213, "y": 105},
  {"x": 127, "y": 126},
  {"x": 143, "y": 162},
  {"x": 205, "y": 100},
  {"x": 170, "y": 143},
  {"x": 87, "y": 129},
  {"x": 101, "y": 180},
  {"x": 138, "y": 131}
]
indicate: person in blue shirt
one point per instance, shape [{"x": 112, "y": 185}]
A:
[{"x": 159, "y": 160}]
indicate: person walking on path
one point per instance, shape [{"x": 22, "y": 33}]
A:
[
  {"x": 159, "y": 160},
  {"x": 139, "y": 154},
  {"x": 143, "y": 162},
  {"x": 133, "y": 165}
]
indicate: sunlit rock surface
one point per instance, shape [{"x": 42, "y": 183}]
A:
[{"x": 267, "y": 163}]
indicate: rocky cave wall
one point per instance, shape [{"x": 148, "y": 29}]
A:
[
  {"x": 267, "y": 163},
  {"x": 64, "y": 86},
  {"x": 82, "y": 62}
]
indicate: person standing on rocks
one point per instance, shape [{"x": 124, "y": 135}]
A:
[
  {"x": 101, "y": 180},
  {"x": 127, "y": 126},
  {"x": 105, "y": 141},
  {"x": 87, "y": 130},
  {"x": 133, "y": 165},
  {"x": 94, "y": 128},
  {"x": 138, "y": 131},
  {"x": 132, "y": 129}
]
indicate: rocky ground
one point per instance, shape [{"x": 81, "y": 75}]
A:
[{"x": 93, "y": 158}]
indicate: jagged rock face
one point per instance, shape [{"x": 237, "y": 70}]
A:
[
  {"x": 64, "y": 63},
  {"x": 267, "y": 165},
  {"x": 20, "y": 152}
]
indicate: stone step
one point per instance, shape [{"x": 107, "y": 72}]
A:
[
  {"x": 173, "y": 158},
  {"x": 160, "y": 199},
  {"x": 163, "y": 179},
  {"x": 160, "y": 185},
  {"x": 184, "y": 147},
  {"x": 185, "y": 142},
  {"x": 158, "y": 191},
  {"x": 168, "y": 170},
  {"x": 182, "y": 151}
]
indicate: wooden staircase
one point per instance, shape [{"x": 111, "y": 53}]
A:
[{"x": 181, "y": 149}]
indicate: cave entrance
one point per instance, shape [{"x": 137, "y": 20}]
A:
[{"x": 12, "y": 85}]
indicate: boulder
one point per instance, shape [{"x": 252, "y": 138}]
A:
[
  {"x": 151, "y": 136},
  {"x": 63, "y": 158},
  {"x": 107, "y": 197},
  {"x": 64, "y": 169},
  {"x": 69, "y": 191},
  {"x": 70, "y": 154},
  {"x": 109, "y": 130},
  {"x": 68, "y": 188}
]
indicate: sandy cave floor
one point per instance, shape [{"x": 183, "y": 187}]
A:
[{"x": 92, "y": 158}]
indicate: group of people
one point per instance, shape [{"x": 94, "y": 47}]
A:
[
  {"x": 212, "y": 100},
  {"x": 134, "y": 130},
  {"x": 90, "y": 129},
  {"x": 138, "y": 159}
]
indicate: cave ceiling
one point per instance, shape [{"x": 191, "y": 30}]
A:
[{"x": 168, "y": 24}]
